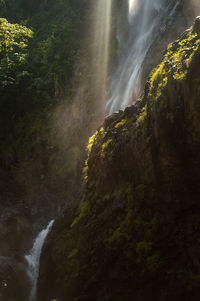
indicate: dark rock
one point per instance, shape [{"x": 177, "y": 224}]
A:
[
  {"x": 196, "y": 28},
  {"x": 13, "y": 280}
]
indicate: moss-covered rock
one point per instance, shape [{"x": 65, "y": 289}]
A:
[{"x": 135, "y": 235}]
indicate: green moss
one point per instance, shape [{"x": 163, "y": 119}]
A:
[
  {"x": 85, "y": 171},
  {"x": 104, "y": 147},
  {"x": 83, "y": 210},
  {"x": 91, "y": 141},
  {"x": 121, "y": 123},
  {"x": 157, "y": 73},
  {"x": 143, "y": 114},
  {"x": 175, "y": 61},
  {"x": 161, "y": 86}
]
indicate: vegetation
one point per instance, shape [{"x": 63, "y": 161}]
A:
[
  {"x": 134, "y": 234},
  {"x": 41, "y": 70},
  {"x": 176, "y": 61},
  {"x": 13, "y": 51},
  {"x": 121, "y": 123}
]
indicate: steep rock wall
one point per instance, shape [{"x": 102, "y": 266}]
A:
[{"x": 136, "y": 235}]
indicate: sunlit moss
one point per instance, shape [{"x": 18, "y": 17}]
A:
[
  {"x": 181, "y": 74},
  {"x": 159, "y": 74},
  {"x": 143, "y": 114},
  {"x": 93, "y": 138},
  {"x": 155, "y": 73},
  {"x": 161, "y": 86},
  {"x": 91, "y": 141},
  {"x": 176, "y": 61},
  {"x": 121, "y": 123},
  {"x": 104, "y": 146},
  {"x": 85, "y": 171}
]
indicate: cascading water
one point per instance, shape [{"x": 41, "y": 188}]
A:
[
  {"x": 145, "y": 19},
  {"x": 33, "y": 260}
]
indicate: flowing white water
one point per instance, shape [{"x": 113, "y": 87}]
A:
[
  {"x": 33, "y": 260},
  {"x": 145, "y": 19}
]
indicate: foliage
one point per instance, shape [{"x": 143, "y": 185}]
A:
[
  {"x": 16, "y": 10},
  {"x": 14, "y": 40},
  {"x": 40, "y": 74}
]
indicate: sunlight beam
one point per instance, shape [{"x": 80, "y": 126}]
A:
[{"x": 101, "y": 49}]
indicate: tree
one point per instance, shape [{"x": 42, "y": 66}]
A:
[{"x": 14, "y": 40}]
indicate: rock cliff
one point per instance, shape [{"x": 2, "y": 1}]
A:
[{"x": 135, "y": 235}]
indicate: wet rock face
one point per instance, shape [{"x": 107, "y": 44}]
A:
[{"x": 136, "y": 234}]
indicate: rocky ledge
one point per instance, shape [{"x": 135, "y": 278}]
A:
[{"x": 136, "y": 233}]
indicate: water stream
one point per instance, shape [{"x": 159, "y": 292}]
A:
[
  {"x": 33, "y": 260},
  {"x": 145, "y": 19}
]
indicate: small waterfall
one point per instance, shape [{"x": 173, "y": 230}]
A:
[
  {"x": 144, "y": 20},
  {"x": 33, "y": 260}
]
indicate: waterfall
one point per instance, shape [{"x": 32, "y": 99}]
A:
[
  {"x": 33, "y": 260},
  {"x": 145, "y": 19}
]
